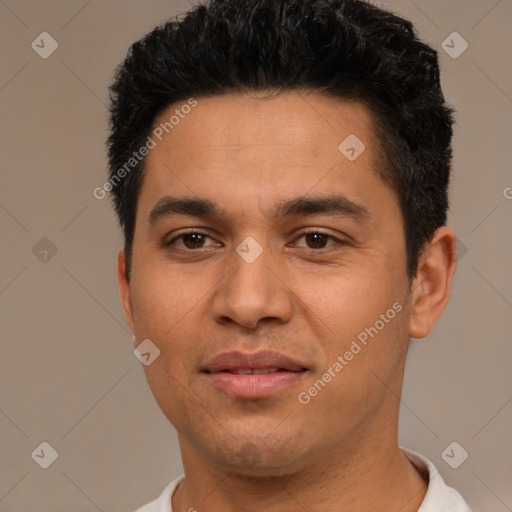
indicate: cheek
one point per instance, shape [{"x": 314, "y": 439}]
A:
[
  {"x": 170, "y": 309},
  {"x": 360, "y": 316},
  {"x": 160, "y": 300},
  {"x": 344, "y": 300},
  {"x": 359, "y": 375}
]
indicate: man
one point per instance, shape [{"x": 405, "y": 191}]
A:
[{"x": 280, "y": 172}]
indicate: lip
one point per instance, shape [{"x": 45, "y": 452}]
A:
[
  {"x": 255, "y": 360},
  {"x": 248, "y": 385}
]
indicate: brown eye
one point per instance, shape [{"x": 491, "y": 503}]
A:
[
  {"x": 318, "y": 240},
  {"x": 189, "y": 241},
  {"x": 193, "y": 240}
]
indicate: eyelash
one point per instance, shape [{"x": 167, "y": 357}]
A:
[{"x": 301, "y": 234}]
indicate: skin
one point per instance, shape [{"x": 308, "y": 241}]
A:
[{"x": 248, "y": 153}]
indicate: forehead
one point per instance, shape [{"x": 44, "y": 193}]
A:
[
  {"x": 262, "y": 148},
  {"x": 295, "y": 119}
]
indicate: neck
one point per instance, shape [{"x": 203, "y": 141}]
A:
[{"x": 377, "y": 478}]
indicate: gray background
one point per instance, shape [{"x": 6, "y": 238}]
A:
[{"x": 68, "y": 374}]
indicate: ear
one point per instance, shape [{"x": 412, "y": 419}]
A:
[
  {"x": 124, "y": 289},
  {"x": 431, "y": 287}
]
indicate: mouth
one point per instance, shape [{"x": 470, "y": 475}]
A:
[
  {"x": 256, "y": 375},
  {"x": 256, "y": 371}
]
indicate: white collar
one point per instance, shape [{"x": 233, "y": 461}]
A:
[{"x": 439, "y": 497}]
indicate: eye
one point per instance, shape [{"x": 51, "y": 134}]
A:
[
  {"x": 317, "y": 239},
  {"x": 190, "y": 240}
]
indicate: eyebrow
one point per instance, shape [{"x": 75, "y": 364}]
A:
[{"x": 334, "y": 205}]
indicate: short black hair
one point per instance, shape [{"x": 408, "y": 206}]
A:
[{"x": 348, "y": 49}]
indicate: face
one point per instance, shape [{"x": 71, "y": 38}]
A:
[{"x": 282, "y": 323}]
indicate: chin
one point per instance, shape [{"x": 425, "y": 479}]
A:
[
  {"x": 253, "y": 461},
  {"x": 258, "y": 456}
]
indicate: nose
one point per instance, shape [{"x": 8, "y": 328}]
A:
[{"x": 253, "y": 291}]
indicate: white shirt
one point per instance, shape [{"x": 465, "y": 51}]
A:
[{"x": 439, "y": 497}]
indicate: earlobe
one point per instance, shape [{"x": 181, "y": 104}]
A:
[
  {"x": 124, "y": 289},
  {"x": 430, "y": 290}
]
